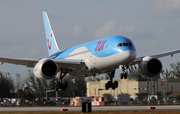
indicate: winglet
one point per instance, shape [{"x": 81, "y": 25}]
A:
[{"x": 52, "y": 45}]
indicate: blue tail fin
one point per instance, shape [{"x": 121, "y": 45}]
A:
[{"x": 50, "y": 38}]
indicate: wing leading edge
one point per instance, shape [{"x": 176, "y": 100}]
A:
[
  {"x": 171, "y": 53},
  {"x": 62, "y": 63}
]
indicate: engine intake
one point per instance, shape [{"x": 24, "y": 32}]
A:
[
  {"x": 45, "y": 69},
  {"x": 150, "y": 67}
]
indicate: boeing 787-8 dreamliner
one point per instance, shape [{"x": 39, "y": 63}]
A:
[{"x": 89, "y": 59}]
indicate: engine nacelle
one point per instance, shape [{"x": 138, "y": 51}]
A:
[
  {"x": 45, "y": 69},
  {"x": 150, "y": 67}
]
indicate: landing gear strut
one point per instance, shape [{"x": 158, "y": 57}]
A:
[
  {"x": 59, "y": 83},
  {"x": 124, "y": 74},
  {"x": 110, "y": 83}
]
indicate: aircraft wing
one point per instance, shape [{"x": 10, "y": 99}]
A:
[
  {"x": 62, "y": 63},
  {"x": 170, "y": 53},
  {"x": 69, "y": 63}
]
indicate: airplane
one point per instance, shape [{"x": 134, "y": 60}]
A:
[{"x": 102, "y": 56}]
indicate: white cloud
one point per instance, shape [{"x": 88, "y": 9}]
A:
[
  {"x": 161, "y": 29},
  {"x": 33, "y": 51},
  {"x": 14, "y": 49},
  {"x": 111, "y": 28},
  {"x": 127, "y": 28},
  {"x": 77, "y": 30},
  {"x": 106, "y": 29},
  {"x": 165, "y": 6}
]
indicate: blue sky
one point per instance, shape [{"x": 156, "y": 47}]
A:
[{"x": 153, "y": 26}]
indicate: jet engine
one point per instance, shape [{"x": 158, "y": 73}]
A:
[
  {"x": 150, "y": 67},
  {"x": 45, "y": 69}
]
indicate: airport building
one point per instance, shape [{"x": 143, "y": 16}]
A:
[{"x": 152, "y": 86}]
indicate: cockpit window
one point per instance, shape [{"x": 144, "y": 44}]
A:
[
  {"x": 119, "y": 45},
  {"x": 131, "y": 44},
  {"x": 125, "y": 44}
]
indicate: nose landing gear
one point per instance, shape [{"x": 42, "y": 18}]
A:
[{"x": 124, "y": 74}]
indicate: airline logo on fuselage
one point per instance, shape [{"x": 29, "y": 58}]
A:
[{"x": 100, "y": 45}]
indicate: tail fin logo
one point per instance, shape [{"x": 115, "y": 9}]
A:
[{"x": 49, "y": 45}]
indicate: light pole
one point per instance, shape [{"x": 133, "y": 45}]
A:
[
  {"x": 47, "y": 92},
  {"x": 164, "y": 89}
]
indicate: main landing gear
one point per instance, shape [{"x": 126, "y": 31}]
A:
[
  {"x": 110, "y": 83},
  {"x": 59, "y": 83},
  {"x": 111, "y": 74}
]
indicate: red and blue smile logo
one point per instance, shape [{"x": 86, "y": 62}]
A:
[
  {"x": 49, "y": 45},
  {"x": 100, "y": 45}
]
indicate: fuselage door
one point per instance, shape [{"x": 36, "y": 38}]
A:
[
  {"x": 91, "y": 51},
  {"x": 108, "y": 45},
  {"x": 65, "y": 55}
]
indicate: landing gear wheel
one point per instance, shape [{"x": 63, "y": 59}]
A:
[
  {"x": 106, "y": 86},
  {"x": 64, "y": 86},
  {"x": 125, "y": 76},
  {"x": 121, "y": 75},
  {"x": 113, "y": 86},
  {"x": 110, "y": 83},
  {"x": 116, "y": 84},
  {"x": 63, "y": 89},
  {"x": 59, "y": 83}
]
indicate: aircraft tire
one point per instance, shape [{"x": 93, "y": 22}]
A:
[
  {"x": 113, "y": 86},
  {"x": 63, "y": 87},
  {"x": 125, "y": 76},
  {"x": 121, "y": 75},
  {"x": 66, "y": 85},
  {"x": 59, "y": 85},
  {"x": 110, "y": 83},
  {"x": 106, "y": 86},
  {"x": 116, "y": 84}
]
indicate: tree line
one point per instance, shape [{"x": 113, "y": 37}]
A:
[
  {"x": 174, "y": 73},
  {"x": 6, "y": 85},
  {"x": 36, "y": 88}
]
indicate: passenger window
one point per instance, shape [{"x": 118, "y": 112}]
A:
[
  {"x": 119, "y": 45},
  {"x": 125, "y": 44}
]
